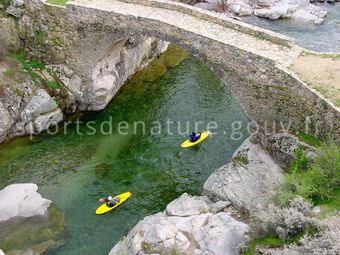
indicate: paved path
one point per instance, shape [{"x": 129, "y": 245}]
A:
[{"x": 279, "y": 53}]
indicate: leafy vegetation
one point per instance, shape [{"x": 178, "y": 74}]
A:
[
  {"x": 57, "y": 2},
  {"x": 330, "y": 206},
  {"x": 273, "y": 241},
  {"x": 301, "y": 162},
  {"x": 317, "y": 183},
  {"x": 4, "y": 4},
  {"x": 52, "y": 84},
  {"x": 29, "y": 65},
  {"x": 270, "y": 241},
  {"x": 337, "y": 103},
  {"x": 309, "y": 139}
]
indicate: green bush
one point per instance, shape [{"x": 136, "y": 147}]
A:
[
  {"x": 52, "y": 85},
  {"x": 301, "y": 162},
  {"x": 316, "y": 183}
]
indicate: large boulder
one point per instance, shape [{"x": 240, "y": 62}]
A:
[
  {"x": 39, "y": 114},
  {"x": 39, "y": 104},
  {"x": 300, "y": 9},
  {"x": 29, "y": 223},
  {"x": 22, "y": 200},
  {"x": 204, "y": 233},
  {"x": 270, "y": 9},
  {"x": 248, "y": 181},
  {"x": 186, "y": 205},
  {"x": 121, "y": 61}
]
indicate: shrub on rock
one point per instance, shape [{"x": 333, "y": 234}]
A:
[{"x": 287, "y": 222}]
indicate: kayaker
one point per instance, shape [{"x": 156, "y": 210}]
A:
[
  {"x": 110, "y": 201},
  {"x": 193, "y": 137}
]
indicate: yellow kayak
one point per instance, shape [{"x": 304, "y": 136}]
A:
[
  {"x": 104, "y": 208},
  {"x": 187, "y": 143}
]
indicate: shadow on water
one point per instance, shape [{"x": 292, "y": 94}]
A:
[{"x": 75, "y": 170}]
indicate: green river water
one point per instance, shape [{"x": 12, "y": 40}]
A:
[{"x": 75, "y": 170}]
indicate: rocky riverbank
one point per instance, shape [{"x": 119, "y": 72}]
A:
[
  {"x": 37, "y": 92},
  {"x": 236, "y": 206},
  {"x": 278, "y": 9}
]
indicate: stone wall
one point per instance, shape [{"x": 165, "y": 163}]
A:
[
  {"x": 216, "y": 18},
  {"x": 81, "y": 34},
  {"x": 92, "y": 77},
  {"x": 267, "y": 90},
  {"x": 29, "y": 106}
]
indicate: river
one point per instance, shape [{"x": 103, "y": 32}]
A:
[
  {"x": 323, "y": 38},
  {"x": 74, "y": 170}
]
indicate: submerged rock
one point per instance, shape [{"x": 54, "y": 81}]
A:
[
  {"x": 201, "y": 232},
  {"x": 29, "y": 223},
  {"x": 248, "y": 181}
]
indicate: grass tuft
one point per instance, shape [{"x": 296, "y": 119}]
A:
[{"x": 57, "y": 2}]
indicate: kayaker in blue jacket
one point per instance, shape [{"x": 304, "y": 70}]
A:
[{"x": 193, "y": 137}]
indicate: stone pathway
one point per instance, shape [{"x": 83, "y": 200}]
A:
[{"x": 283, "y": 55}]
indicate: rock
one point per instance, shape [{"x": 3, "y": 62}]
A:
[
  {"x": 219, "y": 206},
  {"x": 282, "y": 147},
  {"x": 121, "y": 61},
  {"x": 22, "y": 200},
  {"x": 9, "y": 35},
  {"x": 199, "y": 234},
  {"x": 186, "y": 205},
  {"x": 17, "y": 3},
  {"x": 33, "y": 235},
  {"x": 57, "y": 56},
  {"x": 40, "y": 113},
  {"x": 39, "y": 104},
  {"x": 29, "y": 223},
  {"x": 239, "y": 7},
  {"x": 248, "y": 181},
  {"x": 211, "y": 5},
  {"x": 299, "y": 9},
  {"x": 5, "y": 122},
  {"x": 270, "y": 9},
  {"x": 14, "y": 11},
  {"x": 74, "y": 86},
  {"x": 44, "y": 122},
  {"x": 316, "y": 210}
]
